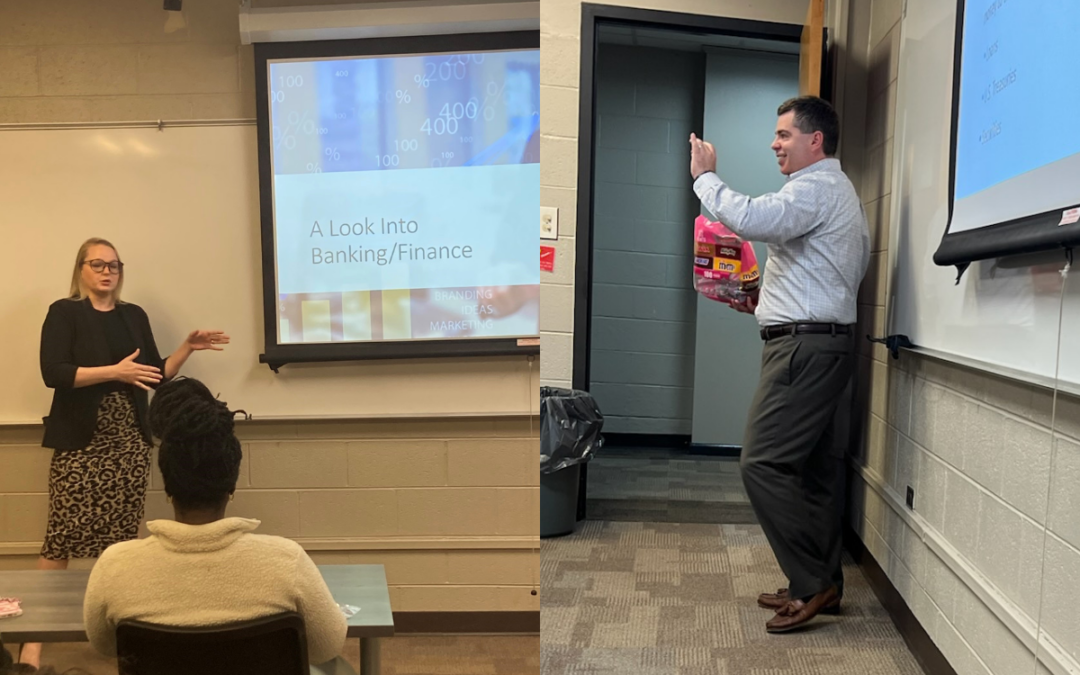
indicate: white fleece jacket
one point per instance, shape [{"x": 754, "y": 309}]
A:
[{"x": 204, "y": 575}]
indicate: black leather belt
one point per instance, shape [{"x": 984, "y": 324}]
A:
[{"x": 770, "y": 332}]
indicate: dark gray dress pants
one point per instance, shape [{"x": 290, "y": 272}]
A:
[{"x": 794, "y": 476}]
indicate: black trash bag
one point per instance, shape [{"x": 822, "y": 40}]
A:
[{"x": 570, "y": 425}]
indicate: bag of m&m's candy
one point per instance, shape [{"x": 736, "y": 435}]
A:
[{"x": 725, "y": 266}]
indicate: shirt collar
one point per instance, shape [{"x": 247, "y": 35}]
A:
[
  {"x": 827, "y": 164},
  {"x": 183, "y": 538}
]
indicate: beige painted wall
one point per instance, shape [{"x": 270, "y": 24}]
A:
[
  {"x": 560, "y": 45},
  {"x": 450, "y": 506}
]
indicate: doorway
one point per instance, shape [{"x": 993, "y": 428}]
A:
[{"x": 672, "y": 371}]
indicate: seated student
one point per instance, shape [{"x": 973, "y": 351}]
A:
[{"x": 204, "y": 569}]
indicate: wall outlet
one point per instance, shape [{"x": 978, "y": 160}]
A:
[
  {"x": 549, "y": 222},
  {"x": 910, "y": 498}
]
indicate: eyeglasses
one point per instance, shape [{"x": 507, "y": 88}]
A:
[{"x": 99, "y": 265}]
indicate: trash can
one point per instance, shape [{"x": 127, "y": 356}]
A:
[{"x": 570, "y": 426}]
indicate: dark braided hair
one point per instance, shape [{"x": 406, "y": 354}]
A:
[{"x": 200, "y": 455}]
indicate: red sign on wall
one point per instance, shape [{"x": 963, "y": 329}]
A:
[{"x": 547, "y": 258}]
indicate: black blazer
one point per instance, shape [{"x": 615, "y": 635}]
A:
[{"x": 72, "y": 338}]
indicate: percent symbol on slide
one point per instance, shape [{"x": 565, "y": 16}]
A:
[
  {"x": 422, "y": 81},
  {"x": 297, "y": 122},
  {"x": 493, "y": 91},
  {"x": 403, "y": 96},
  {"x": 332, "y": 153}
]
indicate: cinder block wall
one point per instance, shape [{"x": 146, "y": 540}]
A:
[
  {"x": 451, "y": 507},
  {"x": 992, "y": 541}
]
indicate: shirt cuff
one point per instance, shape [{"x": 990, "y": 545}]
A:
[{"x": 705, "y": 183}]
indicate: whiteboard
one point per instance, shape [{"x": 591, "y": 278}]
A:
[
  {"x": 181, "y": 205},
  {"x": 1002, "y": 320}
]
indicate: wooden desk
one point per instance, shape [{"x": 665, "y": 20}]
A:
[{"x": 52, "y": 606}]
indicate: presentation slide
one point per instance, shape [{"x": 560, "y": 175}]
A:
[
  {"x": 405, "y": 193},
  {"x": 1018, "y": 89}
]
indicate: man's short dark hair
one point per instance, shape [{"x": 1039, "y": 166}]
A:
[{"x": 814, "y": 114}]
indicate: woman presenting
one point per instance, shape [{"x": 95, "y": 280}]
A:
[{"x": 98, "y": 355}]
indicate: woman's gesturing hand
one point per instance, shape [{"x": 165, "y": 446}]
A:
[
  {"x": 136, "y": 373},
  {"x": 207, "y": 339}
]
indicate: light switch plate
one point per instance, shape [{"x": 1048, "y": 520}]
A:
[{"x": 549, "y": 222}]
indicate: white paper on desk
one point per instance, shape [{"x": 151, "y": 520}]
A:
[{"x": 10, "y": 607}]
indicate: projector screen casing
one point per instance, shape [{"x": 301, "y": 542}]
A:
[
  {"x": 276, "y": 354},
  {"x": 1029, "y": 234}
]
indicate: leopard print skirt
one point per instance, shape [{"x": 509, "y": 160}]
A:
[{"x": 97, "y": 495}]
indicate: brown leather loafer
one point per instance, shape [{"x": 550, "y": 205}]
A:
[
  {"x": 776, "y": 601},
  {"x": 773, "y": 601},
  {"x": 797, "y": 613}
]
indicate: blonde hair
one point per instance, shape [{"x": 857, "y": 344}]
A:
[{"x": 77, "y": 292}]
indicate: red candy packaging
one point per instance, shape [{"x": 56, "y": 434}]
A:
[{"x": 725, "y": 266}]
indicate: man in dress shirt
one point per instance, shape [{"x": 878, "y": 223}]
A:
[{"x": 819, "y": 247}]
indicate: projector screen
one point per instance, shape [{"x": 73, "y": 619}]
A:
[
  {"x": 401, "y": 198},
  {"x": 1013, "y": 169}
]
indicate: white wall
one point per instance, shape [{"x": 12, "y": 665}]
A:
[{"x": 990, "y": 554}]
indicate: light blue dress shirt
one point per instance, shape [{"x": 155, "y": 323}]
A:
[{"x": 817, "y": 237}]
